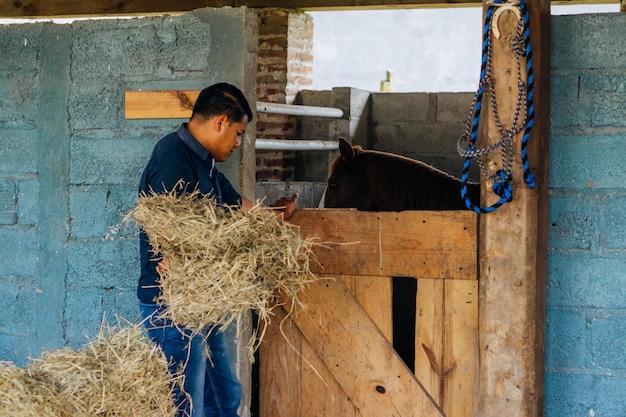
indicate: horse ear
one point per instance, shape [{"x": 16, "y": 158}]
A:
[{"x": 346, "y": 150}]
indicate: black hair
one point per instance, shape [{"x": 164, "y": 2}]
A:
[{"x": 222, "y": 98}]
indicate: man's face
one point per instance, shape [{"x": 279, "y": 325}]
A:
[{"x": 231, "y": 135}]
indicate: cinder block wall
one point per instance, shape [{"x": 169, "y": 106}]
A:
[
  {"x": 70, "y": 162},
  {"x": 423, "y": 126},
  {"x": 586, "y": 315}
]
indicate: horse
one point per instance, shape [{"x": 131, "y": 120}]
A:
[{"x": 379, "y": 181}]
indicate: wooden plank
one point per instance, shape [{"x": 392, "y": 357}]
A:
[
  {"x": 442, "y": 243},
  {"x": 429, "y": 336},
  {"x": 513, "y": 240},
  {"x": 461, "y": 348},
  {"x": 280, "y": 358},
  {"x": 446, "y": 345},
  {"x": 159, "y": 104},
  {"x": 357, "y": 354},
  {"x": 322, "y": 395},
  {"x": 375, "y": 296},
  {"x": 425, "y": 244}
]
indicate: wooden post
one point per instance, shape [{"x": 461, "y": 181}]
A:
[{"x": 513, "y": 240}]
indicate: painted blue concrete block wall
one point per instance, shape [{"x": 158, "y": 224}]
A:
[
  {"x": 586, "y": 300},
  {"x": 70, "y": 162}
]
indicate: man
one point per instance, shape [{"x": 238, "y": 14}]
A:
[{"x": 184, "y": 161}]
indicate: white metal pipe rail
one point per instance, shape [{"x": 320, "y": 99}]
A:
[
  {"x": 296, "y": 145},
  {"x": 298, "y": 110}
]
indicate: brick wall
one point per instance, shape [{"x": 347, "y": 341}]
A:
[{"x": 285, "y": 66}]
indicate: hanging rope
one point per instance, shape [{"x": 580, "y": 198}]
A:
[{"x": 524, "y": 115}]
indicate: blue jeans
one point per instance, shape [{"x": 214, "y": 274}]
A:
[{"x": 211, "y": 383}]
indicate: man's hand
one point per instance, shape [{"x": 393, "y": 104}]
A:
[
  {"x": 286, "y": 206},
  {"x": 164, "y": 266}
]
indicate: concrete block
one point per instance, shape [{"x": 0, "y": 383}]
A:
[
  {"x": 354, "y": 102},
  {"x": 16, "y": 348},
  {"x": 571, "y": 221},
  {"x": 587, "y": 162},
  {"x": 567, "y": 339},
  {"x": 565, "y": 111},
  {"x": 108, "y": 161},
  {"x": 588, "y": 41},
  {"x": 608, "y": 330},
  {"x": 584, "y": 280},
  {"x": 84, "y": 306},
  {"x": 585, "y": 395},
  {"x": 28, "y": 201},
  {"x": 453, "y": 107},
  {"x": 401, "y": 107},
  {"x": 98, "y": 212},
  {"x": 88, "y": 211},
  {"x": 103, "y": 264},
  {"x": 8, "y": 201},
  {"x": 18, "y": 304},
  {"x": 19, "y": 151},
  {"x": 102, "y": 49},
  {"x": 95, "y": 105},
  {"x": 612, "y": 221},
  {"x": 18, "y": 100},
  {"x": 89, "y": 307},
  {"x": 19, "y": 48},
  {"x": 310, "y": 192},
  {"x": 603, "y": 92},
  {"x": 22, "y": 244}
]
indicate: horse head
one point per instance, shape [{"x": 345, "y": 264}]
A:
[
  {"x": 348, "y": 183},
  {"x": 371, "y": 180}
]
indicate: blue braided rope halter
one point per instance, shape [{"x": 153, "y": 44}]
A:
[{"x": 502, "y": 180}]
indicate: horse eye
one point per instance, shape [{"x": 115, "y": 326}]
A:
[{"x": 333, "y": 186}]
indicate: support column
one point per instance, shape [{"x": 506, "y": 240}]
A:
[{"x": 513, "y": 239}]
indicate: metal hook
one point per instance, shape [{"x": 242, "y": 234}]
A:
[{"x": 512, "y": 5}]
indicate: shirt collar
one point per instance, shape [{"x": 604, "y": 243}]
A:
[{"x": 195, "y": 146}]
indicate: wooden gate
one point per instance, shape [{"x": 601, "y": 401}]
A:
[{"x": 335, "y": 358}]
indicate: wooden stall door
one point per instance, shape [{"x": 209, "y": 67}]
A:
[{"x": 335, "y": 357}]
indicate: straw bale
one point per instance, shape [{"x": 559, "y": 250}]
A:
[
  {"x": 223, "y": 262},
  {"x": 120, "y": 373}
]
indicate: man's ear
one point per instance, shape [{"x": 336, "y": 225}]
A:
[{"x": 221, "y": 122}]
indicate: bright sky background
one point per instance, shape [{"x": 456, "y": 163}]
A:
[{"x": 429, "y": 50}]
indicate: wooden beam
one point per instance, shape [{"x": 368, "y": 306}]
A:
[
  {"x": 77, "y": 8},
  {"x": 159, "y": 104},
  {"x": 513, "y": 240},
  {"x": 49, "y": 8},
  {"x": 439, "y": 245}
]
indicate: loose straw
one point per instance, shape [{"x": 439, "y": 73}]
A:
[
  {"x": 118, "y": 374},
  {"x": 223, "y": 262}
]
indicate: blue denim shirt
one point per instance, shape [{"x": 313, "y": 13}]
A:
[{"x": 178, "y": 156}]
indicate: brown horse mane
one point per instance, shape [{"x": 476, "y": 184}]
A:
[{"x": 417, "y": 185}]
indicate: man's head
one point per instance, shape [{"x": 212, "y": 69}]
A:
[
  {"x": 220, "y": 99},
  {"x": 219, "y": 119}
]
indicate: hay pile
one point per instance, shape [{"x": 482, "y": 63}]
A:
[
  {"x": 118, "y": 374},
  {"x": 223, "y": 262}
]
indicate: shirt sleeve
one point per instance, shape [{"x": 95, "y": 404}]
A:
[{"x": 230, "y": 196}]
